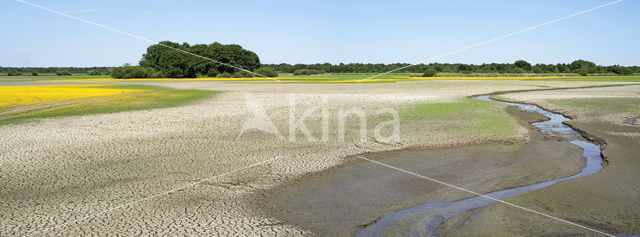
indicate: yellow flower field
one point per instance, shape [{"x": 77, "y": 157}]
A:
[
  {"x": 190, "y": 79},
  {"x": 28, "y": 95},
  {"x": 503, "y": 78},
  {"x": 331, "y": 81}
]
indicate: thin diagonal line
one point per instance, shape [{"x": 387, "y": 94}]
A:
[
  {"x": 496, "y": 39},
  {"x": 139, "y": 37},
  {"x": 485, "y": 196},
  {"x": 30, "y": 233}
]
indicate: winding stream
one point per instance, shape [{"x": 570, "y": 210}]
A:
[{"x": 423, "y": 219}]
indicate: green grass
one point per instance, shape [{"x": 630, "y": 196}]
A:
[
  {"x": 474, "y": 116},
  {"x": 497, "y": 123},
  {"x": 603, "y": 79},
  {"x": 447, "y": 109},
  {"x": 480, "y": 74},
  {"x": 613, "y": 105},
  {"x": 157, "y": 97},
  {"x": 348, "y": 76}
]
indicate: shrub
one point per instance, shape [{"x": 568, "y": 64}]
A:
[
  {"x": 212, "y": 72},
  {"x": 94, "y": 73},
  {"x": 14, "y": 73},
  {"x": 582, "y": 71},
  {"x": 621, "y": 70},
  {"x": 242, "y": 74},
  {"x": 225, "y": 75},
  {"x": 306, "y": 72},
  {"x": 174, "y": 73},
  {"x": 430, "y": 73},
  {"x": 63, "y": 73},
  {"x": 34, "y": 74},
  {"x": 128, "y": 71},
  {"x": 267, "y": 72},
  {"x": 301, "y": 72}
]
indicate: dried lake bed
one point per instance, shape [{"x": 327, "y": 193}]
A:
[{"x": 165, "y": 171}]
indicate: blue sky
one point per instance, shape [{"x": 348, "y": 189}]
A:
[{"x": 323, "y": 31}]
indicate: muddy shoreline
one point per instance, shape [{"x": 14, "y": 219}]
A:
[
  {"x": 424, "y": 219},
  {"x": 608, "y": 201},
  {"x": 567, "y": 156},
  {"x": 526, "y": 117}
]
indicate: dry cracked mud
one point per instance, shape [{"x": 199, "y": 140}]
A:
[{"x": 110, "y": 173}]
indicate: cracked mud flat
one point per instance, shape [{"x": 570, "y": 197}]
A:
[{"x": 59, "y": 170}]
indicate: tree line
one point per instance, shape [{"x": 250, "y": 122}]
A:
[
  {"x": 581, "y": 67},
  {"x": 189, "y": 61},
  {"x": 61, "y": 71}
]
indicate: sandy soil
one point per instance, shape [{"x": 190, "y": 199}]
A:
[
  {"x": 608, "y": 201},
  {"x": 57, "y": 173}
]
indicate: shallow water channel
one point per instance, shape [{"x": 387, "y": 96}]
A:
[{"x": 423, "y": 219}]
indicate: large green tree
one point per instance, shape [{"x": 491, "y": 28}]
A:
[
  {"x": 164, "y": 57},
  {"x": 523, "y": 64}
]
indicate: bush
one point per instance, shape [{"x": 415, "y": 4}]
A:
[
  {"x": 128, "y": 71},
  {"x": 63, "y": 73},
  {"x": 267, "y": 72},
  {"x": 430, "y": 73},
  {"x": 14, "y": 73},
  {"x": 621, "y": 70},
  {"x": 242, "y": 74},
  {"x": 34, "y": 74},
  {"x": 225, "y": 75},
  {"x": 212, "y": 72},
  {"x": 301, "y": 72},
  {"x": 306, "y": 72},
  {"x": 94, "y": 73},
  {"x": 582, "y": 71}
]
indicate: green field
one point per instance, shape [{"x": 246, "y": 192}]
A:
[{"x": 489, "y": 118}]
